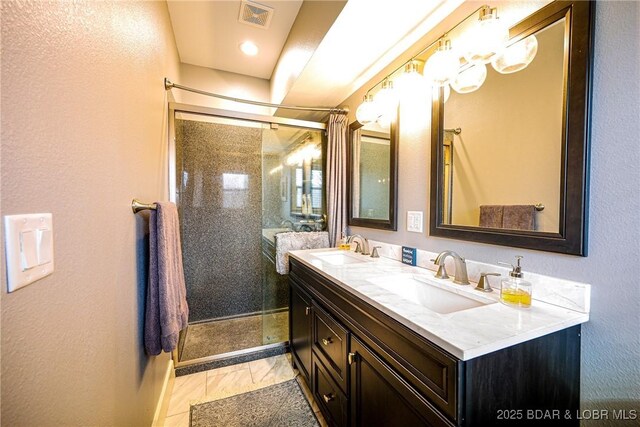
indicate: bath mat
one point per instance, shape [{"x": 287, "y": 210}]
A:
[{"x": 277, "y": 405}]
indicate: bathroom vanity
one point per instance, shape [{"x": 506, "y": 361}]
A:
[{"x": 373, "y": 354}]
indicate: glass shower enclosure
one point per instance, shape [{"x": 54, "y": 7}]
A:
[{"x": 238, "y": 180}]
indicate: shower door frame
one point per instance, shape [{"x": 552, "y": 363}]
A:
[{"x": 177, "y": 107}]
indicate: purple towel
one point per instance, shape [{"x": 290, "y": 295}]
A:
[
  {"x": 519, "y": 217},
  {"x": 491, "y": 216},
  {"x": 166, "y": 312}
]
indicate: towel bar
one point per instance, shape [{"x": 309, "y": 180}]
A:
[
  {"x": 137, "y": 206},
  {"x": 539, "y": 207}
]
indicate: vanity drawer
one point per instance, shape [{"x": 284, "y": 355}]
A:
[
  {"x": 329, "y": 397},
  {"x": 330, "y": 344}
]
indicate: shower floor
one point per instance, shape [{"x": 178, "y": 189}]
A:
[{"x": 224, "y": 336}]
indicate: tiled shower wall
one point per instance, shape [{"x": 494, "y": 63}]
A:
[{"x": 220, "y": 184}]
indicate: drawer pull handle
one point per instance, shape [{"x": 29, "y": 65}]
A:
[
  {"x": 351, "y": 357},
  {"x": 328, "y": 397},
  {"x": 306, "y": 310},
  {"x": 326, "y": 341}
]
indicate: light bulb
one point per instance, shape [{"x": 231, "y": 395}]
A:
[
  {"x": 471, "y": 79},
  {"x": 366, "y": 112},
  {"x": 517, "y": 56},
  {"x": 442, "y": 66},
  {"x": 386, "y": 102},
  {"x": 249, "y": 48},
  {"x": 411, "y": 84},
  {"x": 489, "y": 37}
]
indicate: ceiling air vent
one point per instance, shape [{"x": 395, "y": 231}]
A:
[{"x": 255, "y": 14}]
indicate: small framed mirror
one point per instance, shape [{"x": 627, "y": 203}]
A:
[
  {"x": 373, "y": 175},
  {"x": 510, "y": 159}
]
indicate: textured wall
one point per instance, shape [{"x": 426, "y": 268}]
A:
[
  {"x": 83, "y": 120},
  {"x": 220, "y": 167},
  {"x": 223, "y": 83},
  {"x": 610, "y": 341}
]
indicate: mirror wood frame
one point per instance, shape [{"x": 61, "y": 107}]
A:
[
  {"x": 572, "y": 236},
  {"x": 383, "y": 224}
]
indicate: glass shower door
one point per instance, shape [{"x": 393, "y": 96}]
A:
[
  {"x": 237, "y": 182},
  {"x": 292, "y": 200}
]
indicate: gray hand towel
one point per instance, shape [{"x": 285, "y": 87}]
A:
[
  {"x": 519, "y": 217},
  {"x": 292, "y": 241},
  {"x": 166, "y": 312},
  {"x": 491, "y": 216}
]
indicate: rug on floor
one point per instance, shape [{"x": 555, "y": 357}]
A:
[{"x": 277, "y": 405}]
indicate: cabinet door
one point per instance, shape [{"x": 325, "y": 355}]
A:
[
  {"x": 380, "y": 397},
  {"x": 300, "y": 329}
]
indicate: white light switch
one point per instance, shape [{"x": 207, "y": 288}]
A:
[
  {"x": 28, "y": 248},
  {"x": 45, "y": 246},
  {"x": 28, "y": 252},
  {"x": 414, "y": 221}
]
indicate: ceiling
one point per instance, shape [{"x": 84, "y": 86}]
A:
[
  {"x": 208, "y": 34},
  {"x": 313, "y": 53}
]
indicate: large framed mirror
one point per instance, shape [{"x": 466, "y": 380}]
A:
[
  {"x": 510, "y": 161},
  {"x": 373, "y": 175}
]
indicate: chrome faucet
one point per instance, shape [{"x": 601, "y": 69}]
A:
[
  {"x": 460, "y": 276},
  {"x": 364, "y": 243}
]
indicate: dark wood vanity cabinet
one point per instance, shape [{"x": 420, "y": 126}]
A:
[
  {"x": 367, "y": 369},
  {"x": 379, "y": 396},
  {"x": 300, "y": 330}
]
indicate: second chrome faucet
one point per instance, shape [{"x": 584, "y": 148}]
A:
[{"x": 460, "y": 276}]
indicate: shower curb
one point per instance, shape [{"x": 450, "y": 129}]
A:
[{"x": 231, "y": 360}]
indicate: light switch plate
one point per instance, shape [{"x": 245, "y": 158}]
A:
[
  {"x": 28, "y": 248},
  {"x": 414, "y": 221}
]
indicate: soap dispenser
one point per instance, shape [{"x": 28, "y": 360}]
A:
[{"x": 514, "y": 290}]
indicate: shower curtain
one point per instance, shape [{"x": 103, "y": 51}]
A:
[{"x": 336, "y": 176}]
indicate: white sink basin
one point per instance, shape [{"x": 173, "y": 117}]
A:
[
  {"x": 429, "y": 296},
  {"x": 339, "y": 257}
]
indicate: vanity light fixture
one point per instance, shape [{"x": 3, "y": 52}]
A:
[
  {"x": 366, "y": 112},
  {"x": 447, "y": 93},
  {"x": 442, "y": 66},
  {"x": 386, "y": 103},
  {"x": 516, "y": 57},
  {"x": 487, "y": 39},
  {"x": 249, "y": 48},
  {"x": 411, "y": 83},
  {"x": 486, "y": 43},
  {"x": 470, "y": 79}
]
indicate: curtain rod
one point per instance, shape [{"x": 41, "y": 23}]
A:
[{"x": 168, "y": 84}]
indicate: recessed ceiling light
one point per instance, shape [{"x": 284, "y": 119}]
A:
[{"x": 249, "y": 48}]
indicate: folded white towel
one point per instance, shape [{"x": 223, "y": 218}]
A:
[{"x": 292, "y": 241}]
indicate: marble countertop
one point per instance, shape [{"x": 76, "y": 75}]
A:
[{"x": 465, "y": 334}]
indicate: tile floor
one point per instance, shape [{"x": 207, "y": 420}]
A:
[{"x": 228, "y": 381}]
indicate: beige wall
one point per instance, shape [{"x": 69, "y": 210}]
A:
[
  {"x": 509, "y": 151},
  {"x": 83, "y": 122},
  {"x": 222, "y": 83},
  {"x": 610, "y": 373},
  {"x": 311, "y": 25}
]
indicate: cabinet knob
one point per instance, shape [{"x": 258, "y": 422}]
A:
[
  {"x": 351, "y": 357},
  {"x": 307, "y": 310},
  {"x": 326, "y": 341},
  {"x": 328, "y": 397}
]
